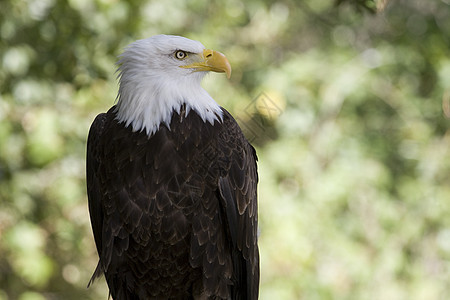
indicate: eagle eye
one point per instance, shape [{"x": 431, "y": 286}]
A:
[{"x": 179, "y": 54}]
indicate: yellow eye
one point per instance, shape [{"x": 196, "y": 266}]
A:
[{"x": 180, "y": 55}]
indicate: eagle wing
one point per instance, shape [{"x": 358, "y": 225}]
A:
[
  {"x": 238, "y": 194},
  {"x": 93, "y": 186}
]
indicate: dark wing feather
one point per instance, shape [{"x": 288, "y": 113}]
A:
[
  {"x": 239, "y": 199},
  {"x": 93, "y": 186}
]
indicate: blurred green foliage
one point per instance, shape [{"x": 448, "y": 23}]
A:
[{"x": 354, "y": 193}]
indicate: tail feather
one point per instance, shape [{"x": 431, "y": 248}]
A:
[{"x": 97, "y": 273}]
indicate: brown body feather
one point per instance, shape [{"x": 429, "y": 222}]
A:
[{"x": 174, "y": 214}]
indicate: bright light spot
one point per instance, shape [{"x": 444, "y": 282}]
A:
[
  {"x": 270, "y": 104},
  {"x": 81, "y": 5},
  {"x": 25, "y": 91},
  {"x": 371, "y": 58},
  {"x": 16, "y": 60},
  {"x": 71, "y": 274},
  {"x": 443, "y": 240},
  {"x": 39, "y": 8},
  {"x": 31, "y": 296}
]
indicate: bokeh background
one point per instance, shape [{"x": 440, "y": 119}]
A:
[{"x": 347, "y": 103}]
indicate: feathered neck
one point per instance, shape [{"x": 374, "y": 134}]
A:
[{"x": 145, "y": 105}]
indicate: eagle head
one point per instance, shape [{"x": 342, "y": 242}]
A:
[{"x": 159, "y": 74}]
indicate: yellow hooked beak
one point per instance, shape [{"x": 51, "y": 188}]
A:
[{"x": 211, "y": 61}]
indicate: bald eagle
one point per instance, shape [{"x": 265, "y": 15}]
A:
[{"x": 171, "y": 181}]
